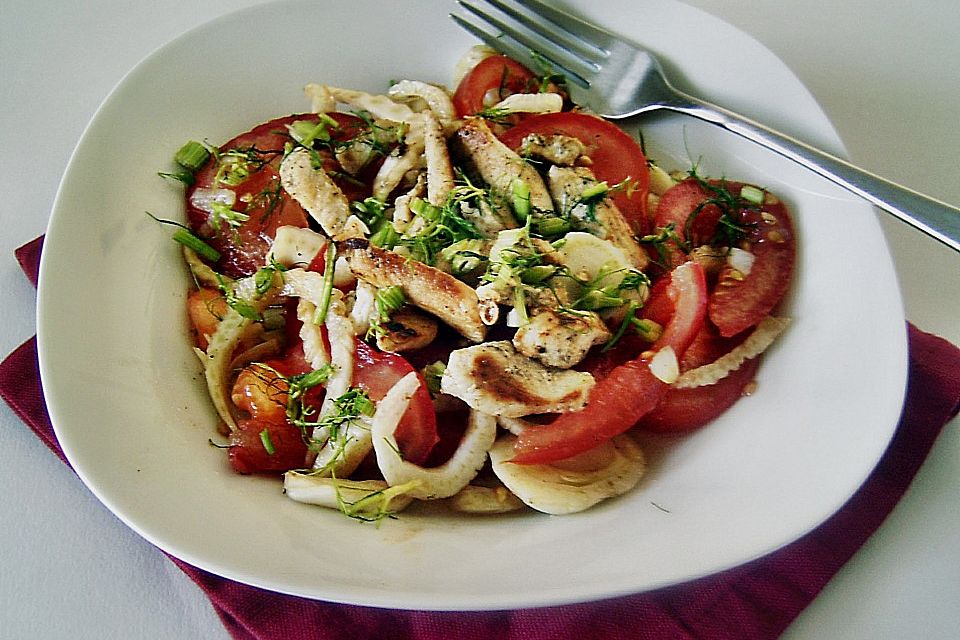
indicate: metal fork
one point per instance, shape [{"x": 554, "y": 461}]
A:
[{"x": 618, "y": 79}]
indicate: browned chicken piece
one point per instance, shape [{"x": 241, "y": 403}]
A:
[
  {"x": 407, "y": 329},
  {"x": 494, "y": 379},
  {"x": 497, "y": 164},
  {"x": 603, "y": 219},
  {"x": 319, "y": 196},
  {"x": 556, "y": 149},
  {"x": 560, "y": 339},
  {"x": 439, "y": 169},
  {"x": 434, "y": 291}
]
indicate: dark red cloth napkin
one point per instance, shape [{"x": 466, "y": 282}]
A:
[{"x": 753, "y": 601}]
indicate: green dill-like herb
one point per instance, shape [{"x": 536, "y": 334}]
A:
[
  {"x": 730, "y": 230},
  {"x": 627, "y": 319},
  {"x": 547, "y": 75},
  {"x": 295, "y": 387},
  {"x": 238, "y": 304},
  {"x": 444, "y": 225},
  {"x": 234, "y": 166},
  {"x": 386, "y": 301},
  {"x": 185, "y": 236},
  {"x": 374, "y": 139},
  {"x": 659, "y": 241},
  {"x": 180, "y": 175},
  {"x": 269, "y": 199},
  {"x": 375, "y": 506},
  {"x": 346, "y": 410}
]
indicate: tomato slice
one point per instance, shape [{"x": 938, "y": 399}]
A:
[
  {"x": 738, "y": 303},
  {"x": 377, "y": 372},
  {"x": 686, "y": 409},
  {"x": 675, "y": 207},
  {"x": 500, "y": 73},
  {"x": 683, "y": 410},
  {"x": 630, "y": 390},
  {"x": 243, "y": 250},
  {"x": 248, "y": 454},
  {"x": 615, "y": 156},
  {"x": 687, "y": 291}
]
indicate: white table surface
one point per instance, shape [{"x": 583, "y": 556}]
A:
[{"x": 884, "y": 71}]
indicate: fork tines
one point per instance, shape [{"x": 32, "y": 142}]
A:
[{"x": 534, "y": 33}]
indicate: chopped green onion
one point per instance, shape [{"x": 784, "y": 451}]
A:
[
  {"x": 552, "y": 226},
  {"x": 191, "y": 241},
  {"x": 520, "y": 305},
  {"x": 521, "y": 198},
  {"x": 369, "y": 210},
  {"x": 388, "y": 300},
  {"x": 537, "y": 274},
  {"x": 598, "y": 299},
  {"x": 424, "y": 209},
  {"x": 192, "y": 156},
  {"x": 464, "y": 255},
  {"x": 594, "y": 193},
  {"x": 647, "y": 329},
  {"x": 223, "y": 213},
  {"x": 432, "y": 374},
  {"x": 328, "y": 267},
  {"x": 267, "y": 442},
  {"x": 364, "y": 406},
  {"x": 751, "y": 194},
  {"x": 385, "y": 236},
  {"x": 305, "y": 131},
  {"x": 313, "y": 378},
  {"x": 263, "y": 279}
]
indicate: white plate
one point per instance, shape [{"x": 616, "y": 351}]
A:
[{"x": 129, "y": 407}]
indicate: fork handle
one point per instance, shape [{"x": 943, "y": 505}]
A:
[{"x": 935, "y": 218}]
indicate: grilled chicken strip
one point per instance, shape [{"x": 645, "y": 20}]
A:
[
  {"x": 434, "y": 291},
  {"x": 603, "y": 219},
  {"x": 494, "y": 379},
  {"x": 497, "y": 164},
  {"x": 439, "y": 169},
  {"x": 560, "y": 339},
  {"x": 318, "y": 194}
]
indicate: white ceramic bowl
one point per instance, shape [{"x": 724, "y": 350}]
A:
[{"x": 127, "y": 400}]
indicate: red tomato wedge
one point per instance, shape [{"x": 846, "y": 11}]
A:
[
  {"x": 676, "y": 207},
  {"x": 263, "y": 395},
  {"x": 248, "y": 452},
  {"x": 628, "y": 392},
  {"x": 259, "y": 196},
  {"x": 687, "y": 291},
  {"x": 738, "y": 303},
  {"x": 500, "y": 73},
  {"x": 615, "y": 156},
  {"x": 377, "y": 372},
  {"x": 686, "y": 409}
]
